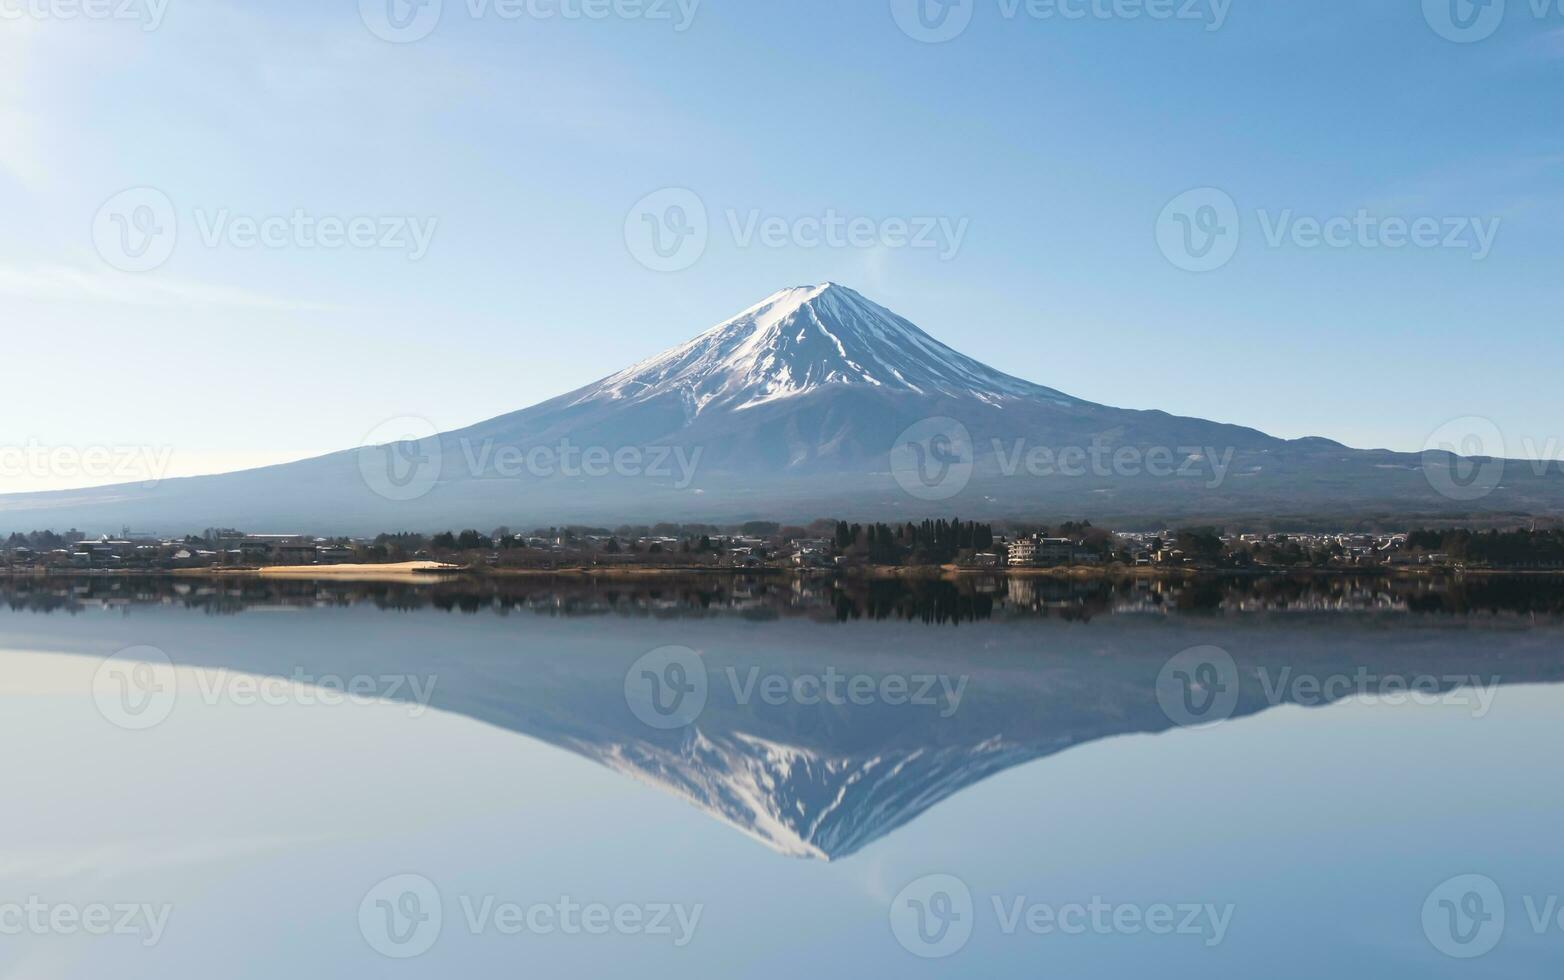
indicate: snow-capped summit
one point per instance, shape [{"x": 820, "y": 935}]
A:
[{"x": 798, "y": 340}]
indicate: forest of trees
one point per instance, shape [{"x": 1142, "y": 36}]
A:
[
  {"x": 42, "y": 540},
  {"x": 1498, "y": 548},
  {"x": 928, "y": 543}
]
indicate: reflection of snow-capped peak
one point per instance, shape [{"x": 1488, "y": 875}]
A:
[
  {"x": 796, "y": 801},
  {"x": 800, "y": 339}
]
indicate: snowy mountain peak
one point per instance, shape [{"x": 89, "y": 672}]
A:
[
  {"x": 803, "y": 338},
  {"x": 799, "y": 801}
]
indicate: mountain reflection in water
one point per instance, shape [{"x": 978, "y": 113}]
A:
[{"x": 1043, "y": 665}]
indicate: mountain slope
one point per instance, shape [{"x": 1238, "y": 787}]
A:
[{"x": 797, "y": 408}]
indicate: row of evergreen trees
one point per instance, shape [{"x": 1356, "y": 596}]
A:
[
  {"x": 931, "y": 542},
  {"x": 1492, "y": 547}
]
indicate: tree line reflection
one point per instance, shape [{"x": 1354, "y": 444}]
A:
[{"x": 934, "y": 601}]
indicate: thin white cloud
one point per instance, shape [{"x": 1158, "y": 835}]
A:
[
  {"x": 58, "y": 283},
  {"x": 19, "y": 149},
  {"x": 148, "y": 465},
  {"x": 111, "y": 860}
]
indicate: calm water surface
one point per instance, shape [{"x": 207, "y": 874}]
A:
[{"x": 765, "y": 779}]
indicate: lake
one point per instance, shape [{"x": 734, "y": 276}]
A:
[{"x": 778, "y": 777}]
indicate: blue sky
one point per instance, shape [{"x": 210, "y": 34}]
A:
[{"x": 521, "y": 145}]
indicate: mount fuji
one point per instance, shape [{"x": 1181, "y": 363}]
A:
[{"x": 814, "y": 402}]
